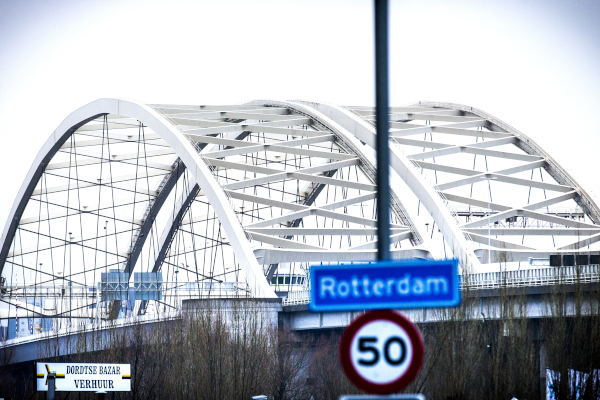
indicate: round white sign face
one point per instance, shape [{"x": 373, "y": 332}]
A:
[{"x": 381, "y": 352}]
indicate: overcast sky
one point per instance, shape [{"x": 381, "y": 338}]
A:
[{"x": 533, "y": 64}]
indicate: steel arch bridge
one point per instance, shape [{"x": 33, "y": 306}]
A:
[{"x": 148, "y": 204}]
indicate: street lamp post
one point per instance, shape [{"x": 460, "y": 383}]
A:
[
  {"x": 71, "y": 237},
  {"x": 62, "y": 299},
  {"x": 176, "y": 289},
  {"x": 98, "y": 297}
]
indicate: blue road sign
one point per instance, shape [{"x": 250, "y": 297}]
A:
[{"x": 385, "y": 285}]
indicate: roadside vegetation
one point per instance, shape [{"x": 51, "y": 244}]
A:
[{"x": 235, "y": 352}]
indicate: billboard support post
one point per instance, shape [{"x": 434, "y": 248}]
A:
[{"x": 51, "y": 386}]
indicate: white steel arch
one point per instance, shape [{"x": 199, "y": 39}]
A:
[
  {"x": 283, "y": 253},
  {"x": 182, "y": 147},
  {"x": 365, "y": 131},
  {"x": 488, "y": 222},
  {"x": 306, "y": 128},
  {"x": 264, "y": 189}
]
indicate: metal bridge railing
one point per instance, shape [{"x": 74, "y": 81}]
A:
[
  {"x": 496, "y": 280},
  {"x": 297, "y": 297},
  {"x": 534, "y": 277},
  {"x": 168, "y": 289}
]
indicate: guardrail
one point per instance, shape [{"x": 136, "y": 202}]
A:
[
  {"x": 297, "y": 297},
  {"x": 534, "y": 277},
  {"x": 481, "y": 211},
  {"x": 496, "y": 280},
  {"x": 33, "y": 291}
]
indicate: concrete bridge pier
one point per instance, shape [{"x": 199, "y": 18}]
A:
[{"x": 266, "y": 309}]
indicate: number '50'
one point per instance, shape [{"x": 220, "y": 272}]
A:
[{"x": 365, "y": 344}]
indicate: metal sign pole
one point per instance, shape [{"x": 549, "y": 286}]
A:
[
  {"x": 382, "y": 127},
  {"x": 51, "y": 386}
]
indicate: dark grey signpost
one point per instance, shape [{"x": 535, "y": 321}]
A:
[
  {"x": 52, "y": 386},
  {"x": 382, "y": 129},
  {"x": 382, "y": 351}
]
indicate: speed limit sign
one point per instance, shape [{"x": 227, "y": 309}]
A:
[{"x": 381, "y": 352}]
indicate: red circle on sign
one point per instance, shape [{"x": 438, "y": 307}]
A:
[{"x": 416, "y": 341}]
